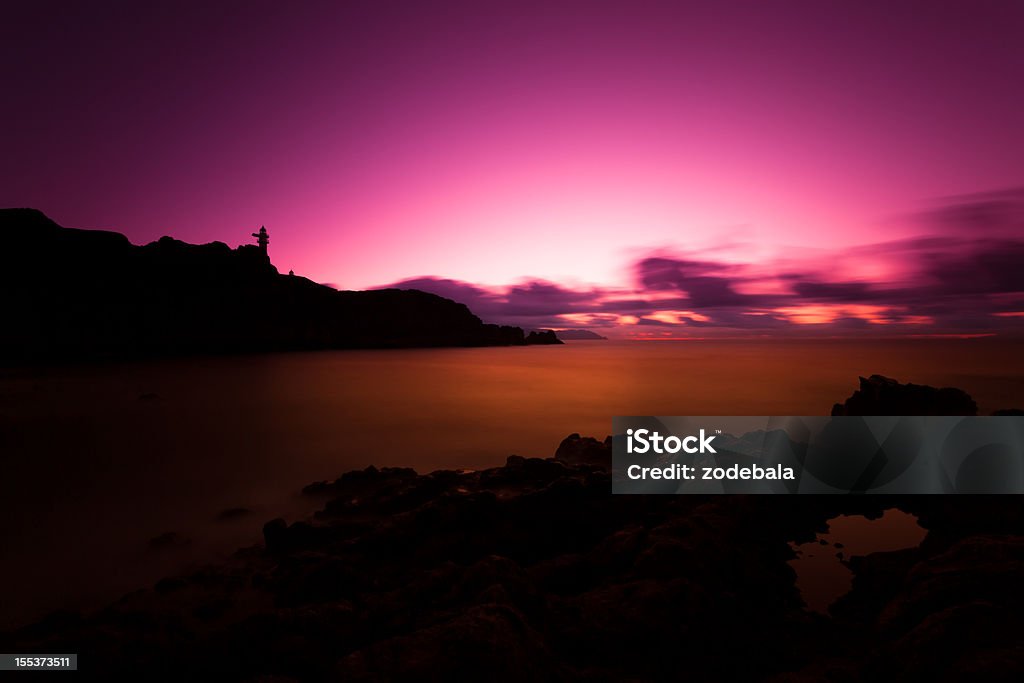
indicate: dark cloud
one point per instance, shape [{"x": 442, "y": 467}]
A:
[
  {"x": 695, "y": 278},
  {"x": 988, "y": 214},
  {"x": 534, "y": 304},
  {"x": 544, "y": 298},
  {"x": 990, "y": 267},
  {"x": 636, "y": 306},
  {"x": 847, "y": 292},
  {"x": 960, "y": 276},
  {"x": 660, "y": 272},
  {"x": 482, "y": 302}
]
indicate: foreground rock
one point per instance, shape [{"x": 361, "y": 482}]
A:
[
  {"x": 534, "y": 571},
  {"x": 880, "y": 395},
  {"x": 580, "y": 335},
  {"x": 529, "y": 571}
]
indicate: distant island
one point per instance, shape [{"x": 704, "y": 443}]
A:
[
  {"x": 90, "y": 294},
  {"x": 579, "y": 335}
]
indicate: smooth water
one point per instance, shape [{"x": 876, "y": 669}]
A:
[
  {"x": 99, "y": 460},
  {"x": 822, "y": 574}
]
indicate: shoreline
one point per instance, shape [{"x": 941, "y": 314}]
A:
[
  {"x": 507, "y": 564},
  {"x": 533, "y": 569}
]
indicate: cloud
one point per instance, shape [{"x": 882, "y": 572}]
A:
[
  {"x": 533, "y": 303},
  {"x": 813, "y": 290},
  {"x": 985, "y": 215},
  {"x": 484, "y": 303},
  {"x": 538, "y": 297},
  {"x": 989, "y": 267},
  {"x": 963, "y": 273}
]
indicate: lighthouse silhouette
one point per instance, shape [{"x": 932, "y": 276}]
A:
[{"x": 262, "y": 239}]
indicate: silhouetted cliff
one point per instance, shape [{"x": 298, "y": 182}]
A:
[{"x": 72, "y": 294}]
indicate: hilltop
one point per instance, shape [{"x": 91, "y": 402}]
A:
[{"x": 91, "y": 294}]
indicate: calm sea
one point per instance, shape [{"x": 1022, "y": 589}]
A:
[{"x": 99, "y": 461}]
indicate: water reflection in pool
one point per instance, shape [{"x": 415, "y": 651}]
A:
[{"x": 820, "y": 565}]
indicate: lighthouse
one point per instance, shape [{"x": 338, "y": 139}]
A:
[{"x": 262, "y": 239}]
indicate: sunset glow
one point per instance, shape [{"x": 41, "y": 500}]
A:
[{"x": 576, "y": 163}]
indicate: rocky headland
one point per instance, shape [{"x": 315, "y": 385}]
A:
[{"x": 90, "y": 294}]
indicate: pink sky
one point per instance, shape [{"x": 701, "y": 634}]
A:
[{"x": 503, "y": 143}]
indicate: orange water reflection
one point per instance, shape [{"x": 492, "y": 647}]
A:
[
  {"x": 822, "y": 576},
  {"x": 98, "y": 460}
]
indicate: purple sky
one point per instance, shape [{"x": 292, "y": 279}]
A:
[{"x": 657, "y": 168}]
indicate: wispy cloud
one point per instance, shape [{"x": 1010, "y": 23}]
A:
[{"x": 962, "y": 274}]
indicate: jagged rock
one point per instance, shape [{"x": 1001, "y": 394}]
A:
[
  {"x": 493, "y": 641},
  {"x": 543, "y": 337},
  {"x": 958, "y": 614},
  {"x": 533, "y": 570},
  {"x": 880, "y": 395},
  {"x": 498, "y": 580},
  {"x": 577, "y": 450},
  {"x": 519, "y": 471},
  {"x": 987, "y": 568},
  {"x": 274, "y": 533},
  {"x": 877, "y": 578}
]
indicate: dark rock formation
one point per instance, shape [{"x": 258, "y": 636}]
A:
[
  {"x": 534, "y": 571},
  {"x": 80, "y": 294},
  {"x": 579, "y": 335},
  {"x": 578, "y": 450},
  {"x": 880, "y": 395},
  {"x": 529, "y": 571},
  {"x": 542, "y": 337}
]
